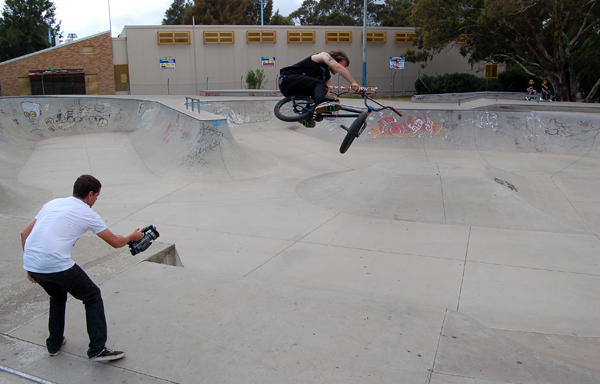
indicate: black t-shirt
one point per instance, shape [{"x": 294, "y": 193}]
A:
[{"x": 308, "y": 67}]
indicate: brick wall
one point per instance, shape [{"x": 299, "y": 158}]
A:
[{"x": 68, "y": 56}]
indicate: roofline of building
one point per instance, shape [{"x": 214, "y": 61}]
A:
[{"x": 51, "y": 48}]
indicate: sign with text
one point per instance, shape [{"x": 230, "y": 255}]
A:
[
  {"x": 167, "y": 63},
  {"x": 268, "y": 61}
]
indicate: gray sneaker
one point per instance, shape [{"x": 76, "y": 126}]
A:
[
  {"x": 63, "y": 343},
  {"x": 107, "y": 355}
]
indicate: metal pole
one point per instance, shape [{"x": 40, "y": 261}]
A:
[
  {"x": 261, "y": 12},
  {"x": 364, "y": 74},
  {"x": 195, "y": 60},
  {"x": 109, "y": 20}
]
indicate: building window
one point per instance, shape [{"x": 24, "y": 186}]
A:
[
  {"x": 174, "y": 37},
  {"x": 88, "y": 50},
  {"x": 405, "y": 37},
  {"x": 338, "y": 37},
  {"x": 219, "y": 37},
  {"x": 301, "y": 37},
  {"x": 491, "y": 71},
  {"x": 376, "y": 37},
  {"x": 24, "y": 86},
  {"x": 261, "y": 36}
]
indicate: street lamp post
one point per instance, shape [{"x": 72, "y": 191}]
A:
[{"x": 364, "y": 73}]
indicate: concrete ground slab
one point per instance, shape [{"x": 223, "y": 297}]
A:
[
  {"x": 303, "y": 265},
  {"x": 470, "y": 355}
]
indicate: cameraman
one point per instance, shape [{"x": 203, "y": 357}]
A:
[{"x": 47, "y": 243}]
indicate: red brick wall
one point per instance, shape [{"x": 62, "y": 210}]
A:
[{"x": 68, "y": 56}]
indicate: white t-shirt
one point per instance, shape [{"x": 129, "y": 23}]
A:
[{"x": 59, "y": 224}]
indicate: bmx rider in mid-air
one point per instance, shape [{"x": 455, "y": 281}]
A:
[{"x": 312, "y": 77}]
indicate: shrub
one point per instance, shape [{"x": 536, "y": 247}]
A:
[
  {"x": 515, "y": 80},
  {"x": 255, "y": 78},
  {"x": 455, "y": 83}
]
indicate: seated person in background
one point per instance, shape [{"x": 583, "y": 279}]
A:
[
  {"x": 531, "y": 91},
  {"x": 546, "y": 93}
]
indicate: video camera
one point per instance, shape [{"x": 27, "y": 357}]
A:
[{"x": 150, "y": 233}]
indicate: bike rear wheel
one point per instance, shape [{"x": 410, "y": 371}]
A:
[
  {"x": 354, "y": 131},
  {"x": 294, "y": 108}
]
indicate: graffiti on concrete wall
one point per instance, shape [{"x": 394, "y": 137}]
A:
[
  {"x": 208, "y": 138},
  {"x": 237, "y": 113},
  {"x": 32, "y": 112},
  {"x": 175, "y": 129},
  {"x": 486, "y": 121},
  {"x": 97, "y": 115},
  {"x": 388, "y": 127}
]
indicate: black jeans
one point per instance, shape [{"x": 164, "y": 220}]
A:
[
  {"x": 76, "y": 282},
  {"x": 297, "y": 85}
]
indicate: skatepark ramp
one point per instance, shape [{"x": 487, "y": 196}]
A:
[{"x": 170, "y": 143}]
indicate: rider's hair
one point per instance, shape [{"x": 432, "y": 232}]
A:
[
  {"x": 339, "y": 55},
  {"x": 84, "y": 185}
]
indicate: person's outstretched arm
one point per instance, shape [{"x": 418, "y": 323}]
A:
[{"x": 117, "y": 241}]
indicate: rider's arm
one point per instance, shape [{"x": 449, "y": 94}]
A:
[
  {"x": 328, "y": 82},
  {"x": 335, "y": 67}
]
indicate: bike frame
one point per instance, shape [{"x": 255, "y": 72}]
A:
[{"x": 355, "y": 111}]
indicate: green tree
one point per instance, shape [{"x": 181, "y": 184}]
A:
[
  {"x": 337, "y": 12},
  {"x": 174, "y": 15},
  {"x": 279, "y": 19},
  {"x": 218, "y": 12},
  {"x": 24, "y": 27},
  {"x": 254, "y": 11},
  {"x": 397, "y": 13},
  {"x": 560, "y": 38}
]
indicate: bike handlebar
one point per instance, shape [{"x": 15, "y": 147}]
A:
[
  {"x": 346, "y": 89},
  {"x": 364, "y": 91}
]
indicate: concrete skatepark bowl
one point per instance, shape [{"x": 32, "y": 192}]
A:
[{"x": 452, "y": 245}]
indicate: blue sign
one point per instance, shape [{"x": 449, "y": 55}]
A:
[{"x": 167, "y": 63}]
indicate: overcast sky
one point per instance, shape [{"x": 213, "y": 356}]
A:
[{"x": 88, "y": 17}]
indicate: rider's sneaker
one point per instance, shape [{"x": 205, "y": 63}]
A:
[
  {"x": 107, "y": 355},
  {"x": 64, "y": 341},
  {"x": 309, "y": 123},
  {"x": 328, "y": 106}
]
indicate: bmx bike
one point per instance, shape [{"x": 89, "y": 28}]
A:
[{"x": 302, "y": 108}]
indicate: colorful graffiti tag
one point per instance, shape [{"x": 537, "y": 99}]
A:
[
  {"x": 175, "y": 130},
  {"x": 389, "y": 127}
]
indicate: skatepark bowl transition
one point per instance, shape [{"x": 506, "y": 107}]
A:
[{"x": 455, "y": 244}]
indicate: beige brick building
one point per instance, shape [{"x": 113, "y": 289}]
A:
[{"x": 189, "y": 60}]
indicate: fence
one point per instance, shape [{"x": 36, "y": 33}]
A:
[{"x": 387, "y": 85}]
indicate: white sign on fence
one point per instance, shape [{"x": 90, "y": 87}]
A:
[{"x": 397, "y": 62}]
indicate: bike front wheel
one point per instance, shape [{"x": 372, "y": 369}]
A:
[
  {"x": 354, "y": 131},
  {"x": 294, "y": 108}
]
